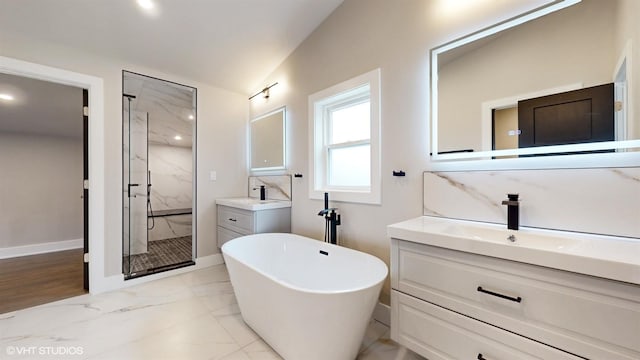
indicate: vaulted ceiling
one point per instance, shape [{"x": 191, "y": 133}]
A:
[{"x": 232, "y": 44}]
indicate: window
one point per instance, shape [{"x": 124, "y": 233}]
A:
[{"x": 344, "y": 138}]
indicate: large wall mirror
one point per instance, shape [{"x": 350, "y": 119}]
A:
[
  {"x": 158, "y": 174},
  {"x": 268, "y": 141},
  {"x": 562, "y": 79}
]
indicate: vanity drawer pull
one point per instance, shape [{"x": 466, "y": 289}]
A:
[
  {"x": 232, "y": 219},
  {"x": 518, "y": 299}
]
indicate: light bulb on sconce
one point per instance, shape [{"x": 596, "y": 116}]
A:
[
  {"x": 264, "y": 92},
  {"x": 190, "y": 117},
  {"x": 177, "y": 137}
]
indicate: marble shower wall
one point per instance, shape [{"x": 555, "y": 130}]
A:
[
  {"x": 171, "y": 189},
  {"x": 600, "y": 201},
  {"x": 278, "y": 186},
  {"x": 171, "y": 109},
  {"x": 135, "y": 150}
]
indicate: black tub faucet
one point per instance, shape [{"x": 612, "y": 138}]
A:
[
  {"x": 332, "y": 219},
  {"x": 513, "y": 210}
]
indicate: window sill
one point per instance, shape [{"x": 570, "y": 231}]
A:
[{"x": 350, "y": 196}]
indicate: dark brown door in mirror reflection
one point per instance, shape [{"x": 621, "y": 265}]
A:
[{"x": 572, "y": 117}]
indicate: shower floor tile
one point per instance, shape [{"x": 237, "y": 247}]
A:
[
  {"x": 188, "y": 316},
  {"x": 161, "y": 253}
]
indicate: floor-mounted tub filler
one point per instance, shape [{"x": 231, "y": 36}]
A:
[{"x": 307, "y": 299}]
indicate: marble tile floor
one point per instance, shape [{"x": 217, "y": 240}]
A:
[{"x": 188, "y": 316}]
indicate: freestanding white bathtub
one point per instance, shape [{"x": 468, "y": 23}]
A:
[{"x": 307, "y": 299}]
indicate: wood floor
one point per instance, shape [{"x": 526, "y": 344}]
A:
[{"x": 38, "y": 279}]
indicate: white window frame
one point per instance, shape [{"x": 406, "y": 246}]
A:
[{"x": 320, "y": 104}]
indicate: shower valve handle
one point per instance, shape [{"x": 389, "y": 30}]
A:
[{"x": 129, "y": 186}]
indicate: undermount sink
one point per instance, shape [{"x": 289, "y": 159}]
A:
[
  {"x": 598, "y": 255},
  {"x": 254, "y": 204}
]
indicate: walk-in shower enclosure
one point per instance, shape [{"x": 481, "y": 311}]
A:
[{"x": 158, "y": 174}]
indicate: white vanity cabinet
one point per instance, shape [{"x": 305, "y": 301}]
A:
[
  {"x": 451, "y": 304},
  {"x": 234, "y": 222}
]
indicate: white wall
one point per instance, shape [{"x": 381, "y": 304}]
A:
[
  {"x": 40, "y": 189},
  {"x": 222, "y": 117},
  {"x": 359, "y": 36},
  {"x": 627, "y": 23}
]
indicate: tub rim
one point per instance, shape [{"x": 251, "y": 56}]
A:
[{"x": 307, "y": 290}]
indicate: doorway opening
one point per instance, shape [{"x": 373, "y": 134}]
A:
[{"x": 44, "y": 204}]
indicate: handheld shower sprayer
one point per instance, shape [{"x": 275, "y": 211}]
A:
[{"x": 150, "y": 209}]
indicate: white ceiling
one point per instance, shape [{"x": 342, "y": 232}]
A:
[
  {"x": 233, "y": 44},
  {"x": 40, "y": 107}
]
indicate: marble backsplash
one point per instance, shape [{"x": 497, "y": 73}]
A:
[
  {"x": 599, "y": 201},
  {"x": 278, "y": 186}
]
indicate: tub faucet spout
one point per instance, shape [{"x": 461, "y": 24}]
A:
[{"x": 332, "y": 219}]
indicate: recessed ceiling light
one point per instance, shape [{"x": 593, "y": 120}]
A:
[
  {"x": 177, "y": 137},
  {"x": 146, "y": 4},
  {"x": 190, "y": 117},
  {"x": 6, "y": 97}
]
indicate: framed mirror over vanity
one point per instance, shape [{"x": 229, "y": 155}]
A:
[
  {"x": 267, "y": 141},
  {"x": 557, "y": 80}
]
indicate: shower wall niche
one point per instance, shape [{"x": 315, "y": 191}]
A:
[{"x": 159, "y": 124}]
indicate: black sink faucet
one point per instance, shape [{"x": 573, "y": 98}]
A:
[
  {"x": 513, "y": 209},
  {"x": 263, "y": 192}
]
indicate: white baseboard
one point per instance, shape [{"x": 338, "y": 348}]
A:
[
  {"x": 34, "y": 249},
  {"x": 116, "y": 282},
  {"x": 211, "y": 260},
  {"x": 382, "y": 313}
]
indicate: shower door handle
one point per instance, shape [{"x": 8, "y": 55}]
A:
[{"x": 129, "y": 186}]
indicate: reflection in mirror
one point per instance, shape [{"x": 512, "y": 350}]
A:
[
  {"x": 527, "y": 89},
  {"x": 268, "y": 141},
  {"x": 159, "y": 123}
]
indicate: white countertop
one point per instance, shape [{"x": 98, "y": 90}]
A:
[
  {"x": 253, "y": 204},
  {"x": 608, "y": 257}
]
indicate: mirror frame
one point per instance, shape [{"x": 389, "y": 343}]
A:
[
  {"x": 282, "y": 110},
  {"x": 479, "y": 156}
]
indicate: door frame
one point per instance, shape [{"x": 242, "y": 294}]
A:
[
  {"x": 85, "y": 188},
  {"x": 95, "y": 86}
]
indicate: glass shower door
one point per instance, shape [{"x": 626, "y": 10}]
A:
[
  {"x": 159, "y": 123},
  {"x": 126, "y": 203},
  {"x": 134, "y": 172}
]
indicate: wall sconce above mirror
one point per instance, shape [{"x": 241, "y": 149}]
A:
[
  {"x": 267, "y": 134},
  {"x": 521, "y": 87}
]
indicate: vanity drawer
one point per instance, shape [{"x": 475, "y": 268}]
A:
[
  {"x": 437, "y": 333},
  {"x": 238, "y": 220},
  {"x": 584, "y": 315},
  {"x": 225, "y": 235}
]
